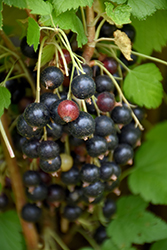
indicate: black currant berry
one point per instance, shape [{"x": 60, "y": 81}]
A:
[
  {"x": 116, "y": 169},
  {"x": 28, "y": 50},
  {"x": 122, "y": 154},
  {"x": 86, "y": 68},
  {"x": 68, "y": 110},
  {"x": 3, "y": 201},
  {"x": 31, "y": 213},
  {"x": 121, "y": 115},
  {"x": 54, "y": 130},
  {"x": 104, "y": 83},
  {"x": 105, "y": 101},
  {"x": 90, "y": 106},
  {"x": 83, "y": 86},
  {"x": 96, "y": 146},
  {"x": 110, "y": 64},
  {"x": 51, "y": 77},
  {"x": 130, "y": 31},
  {"x": 48, "y": 150},
  {"x": 109, "y": 208},
  {"x": 48, "y": 99},
  {"x": 55, "y": 193},
  {"x": 71, "y": 177},
  {"x": 111, "y": 185},
  {"x": 104, "y": 126},
  {"x": 139, "y": 112},
  {"x": 100, "y": 235},
  {"x": 75, "y": 196},
  {"x": 106, "y": 171},
  {"x": 127, "y": 62},
  {"x": 30, "y": 148},
  {"x": 31, "y": 178},
  {"x": 89, "y": 173},
  {"x": 72, "y": 212},
  {"x": 37, "y": 115},
  {"x": 107, "y": 30},
  {"x": 26, "y": 130},
  {"x": 39, "y": 193},
  {"x": 94, "y": 189},
  {"x": 112, "y": 141},
  {"x": 83, "y": 126}
]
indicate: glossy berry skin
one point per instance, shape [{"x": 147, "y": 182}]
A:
[
  {"x": 130, "y": 135},
  {"x": 93, "y": 190},
  {"x": 26, "y": 130},
  {"x": 139, "y": 112},
  {"x": 122, "y": 154},
  {"x": 3, "y": 201},
  {"x": 112, "y": 141},
  {"x": 51, "y": 77},
  {"x": 31, "y": 178},
  {"x": 48, "y": 99},
  {"x": 30, "y": 148},
  {"x": 106, "y": 171},
  {"x": 83, "y": 86},
  {"x": 110, "y": 64},
  {"x": 107, "y": 30},
  {"x": 72, "y": 212},
  {"x": 104, "y": 83},
  {"x": 39, "y": 193},
  {"x": 105, "y": 101},
  {"x": 28, "y": 50},
  {"x": 71, "y": 177},
  {"x": 127, "y": 62},
  {"x": 75, "y": 196},
  {"x": 68, "y": 110},
  {"x": 50, "y": 166},
  {"x": 83, "y": 126},
  {"x": 31, "y": 213},
  {"x": 130, "y": 31},
  {"x": 100, "y": 235},
  {"x": 54, "y": 130},
  {"x": 121, "y": 115},
  {"x": 90, "y": 106},
  {"x": 55, "y": 193},
  {"x": 116, "y": 169},
  {"x": 66, "y": 55},
  {"x": 89, "y": 173},
  {"x": 104, "y": 126},
  {"x": 109, "y": 208},
  {"x": 86, "y": 68},
  {"x": 37, "y": 115},
  {"x": 54, "y": 113},
  {"x": 48, "y": 150},
  {"x": 111, "y": 185},
  {"x": 96, "y": 146}
]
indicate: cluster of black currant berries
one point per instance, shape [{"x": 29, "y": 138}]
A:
[{"x": 80, "y": 144}]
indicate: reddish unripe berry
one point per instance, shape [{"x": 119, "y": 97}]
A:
[
  {"x": 105, "y": 101},
  {"x": 66, "y": 55},
  {"x": 110, "y": 64},
  {"x": 68, "y": 110}
]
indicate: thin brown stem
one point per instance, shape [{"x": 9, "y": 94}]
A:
[
  {"x": 29, "y": 230},
  {"x": 90, "y": 46}
]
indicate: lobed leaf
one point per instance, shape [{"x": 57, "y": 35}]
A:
[
  {"x": 159, "y": 245},
  {"x": 33, "y": 33},
  {"x": 133, "y": 224},
  {"x": 39, "y": 7},
  {"x": 16, "y": 3},
  {"x": 108, "y": 245},
  {"x": 5, "y": 99},
  {"x": 143, "y": 87},
  {"x": 150, "y": 171}
]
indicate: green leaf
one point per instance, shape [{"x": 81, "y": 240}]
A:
[
  {"x": 132, "y": 224},
  {"x": 10, "y": 231},
  {"x": 1, "y": 17},
  {"x": 143, "y": 87},
  {"x": 159, "y": 245},
  {"x": 150, "y": 172},
  {"x": 108, "y": 245},
  {"x": 151, "y": 33},
  {"x": 33, "y": 33},
  {"x": 16, "y": 3},
  {"x": 86, "y": 248},
  {"x": 67, "y": 20},
  {"x": 64, "y": 5},
  {"x": 119, "y": 1},
  {"x": 47, "y": 54},
  {"x": 5, "y": 99},
  {"x": 39, "y": 7},
  {"x": 120, "y": 14}
]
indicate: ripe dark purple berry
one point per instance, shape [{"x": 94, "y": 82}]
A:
[
  {"x": 31, "y": 178},
  {"x": 93, "y": 190},
  {"x": 68, "y": 110},
  {"x": 90, "y": 173},
  {"x": 30, "y": 148},
  {"x": 37, "y": 115},
  {"x": 123, "y": 153},
  {"x": 48, "y": 99},
  {"x": 48, "y": 150},
  {"x": 121, "y": 115},
  {"x": 105, "y": 101},
  {"x": 55, "y": 193},
  {"x": 106, "y": 171},
  {"x": 71, "y": 176},
  {"x": 31, "y": 213},
  {"x": 109, "y": 208},
  {"x": 96, "y": 146},
  {"x": 72, "y": 212},
  {"x": 28, "y": 50},
  {"x": 104, "y": 126},
  {"x": 83, "y": 86},
  {"x": 104, "y": 83},
  {"x": 39, "y": 193},
  {"x": 51, "y": 77}
]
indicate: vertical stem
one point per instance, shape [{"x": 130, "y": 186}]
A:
[
  {"x": 29, "y": 229},
  {"x": 90, "y": 46}
]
